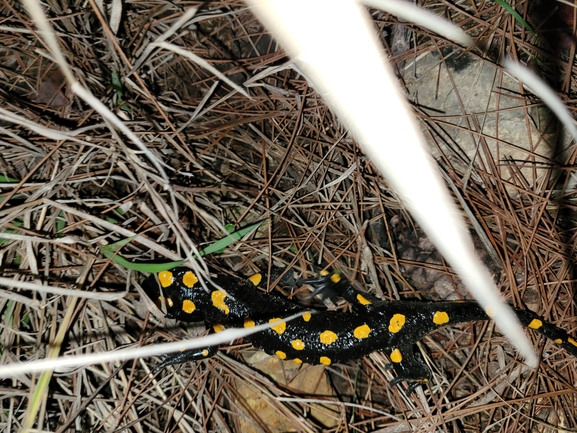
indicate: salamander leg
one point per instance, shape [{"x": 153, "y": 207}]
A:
[
  {"x": 332, "y": 285},
  {"x": 287, "y": 277},
  {"x": 409, "y": 368},
  {"x": 187, "y": 356}
]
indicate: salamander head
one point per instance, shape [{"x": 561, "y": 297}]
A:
[{"x": 178, "y": 292}]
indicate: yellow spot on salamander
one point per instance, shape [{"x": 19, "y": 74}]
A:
[
  {"x": 165, "y": 278},
  {"x": 396, "y": 356},
  {"x": 323, "y": 273},
  {"x": 397, "y": 322},
  {"x": 306, "y": 317},
  {"x": 218, "y": 297},
  {"x": 558, "y": 341},
  {"x": 535, "y": 324},
  {"x": 280, "y": 328},
  {"x": 218, "y": 327},
  {"x": 189, "y": 279},
  {"x": 489, "y": 312},
  {"x": 571, "y": 341},
  {"x": 255, "y": 279},
  {"x": 362, "y": 300},
  {"x": 280, "y": 354},
  {"x": 298, "y": 361},
  {"x": 335, "y": 277},
  {"x": 188, "y": 306},
  {"x": 328, "y": 337},
  {"x": 248, "y": 323},
  {"x": 205, "y": 352},
  {"x": 298, "y": 344},
  {"x": 167, "y": 301},
  {"x": 362, "y": 331},
  {"x": 440, "y": 318},
  {"x": 325, "y": 360}
]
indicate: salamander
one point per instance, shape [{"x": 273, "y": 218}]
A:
[{"x": 321, "y": 336}]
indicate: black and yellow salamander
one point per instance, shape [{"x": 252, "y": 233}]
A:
[{"x": 322, "y": 337}]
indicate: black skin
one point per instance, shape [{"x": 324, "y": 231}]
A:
[{"x": 378, "y": 323}]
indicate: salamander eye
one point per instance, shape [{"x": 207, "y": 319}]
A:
[
  {"x": 164, "y": 303},
  {"x": 156, "y": 296}
]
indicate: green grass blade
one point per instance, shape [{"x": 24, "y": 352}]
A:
[
  {"x": 515, "y": 15},
  {"x": 10, "y": 231},
  {"x": 221, "y": 244},
  {"x": 110, "y": 251}
]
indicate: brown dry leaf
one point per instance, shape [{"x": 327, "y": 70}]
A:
[
  {"x": 310, "y": 380},
  {"x": 51, "y": 92}
]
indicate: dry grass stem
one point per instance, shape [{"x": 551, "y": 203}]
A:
[{"x": 150, "y": 143}]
